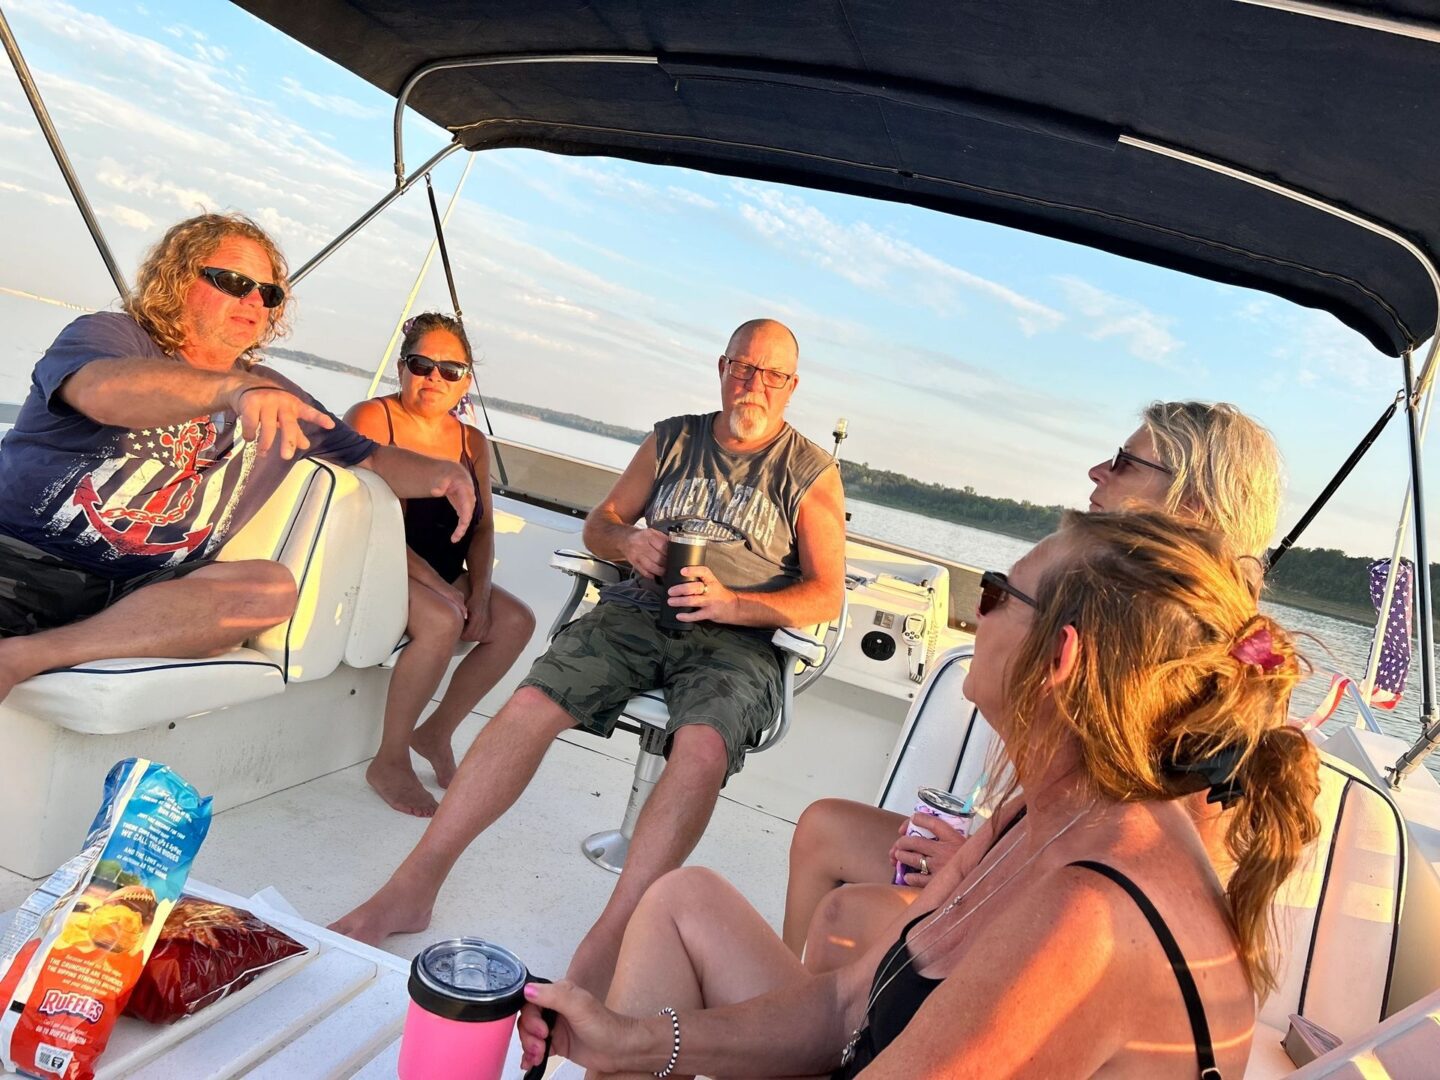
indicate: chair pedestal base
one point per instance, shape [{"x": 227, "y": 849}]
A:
[{"x": 607, "y": 849}]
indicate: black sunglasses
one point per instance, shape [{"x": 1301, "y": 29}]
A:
[
  {"x": 1122, "y": 456},
  {"x": 233, "y": 283},
  {"x": 421, "y": 365},
  {"x": 995, "y": 589}
]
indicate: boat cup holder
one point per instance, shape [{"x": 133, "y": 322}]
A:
[{"x": 878, "y": 645}]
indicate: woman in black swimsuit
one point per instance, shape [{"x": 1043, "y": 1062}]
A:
[
  {"x": 1126, "y": 667},
  {"x": 452, "y": 597}
]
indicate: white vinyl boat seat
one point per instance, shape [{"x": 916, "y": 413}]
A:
[
  {"x": 1337, "y": 918},
  {"x": 944, "y": 742},
  {"x": 340, "y": 533},
  {"x": 806, "y": 652}
]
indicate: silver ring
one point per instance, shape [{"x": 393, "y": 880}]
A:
[
  {"x": 924, "y": 866},
  {"x": 704, "y": 587}
]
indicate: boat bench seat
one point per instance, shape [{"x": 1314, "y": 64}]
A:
[
  {"x": 1337, "y": 918},
  {"x": 333, "y": 528},
  {"x": 944, "y": 742},
  {"x": 298, "y": 701}
]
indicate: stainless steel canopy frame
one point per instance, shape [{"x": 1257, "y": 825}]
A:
[
  {"x": 1415, "y": 391},
  {"x": 57, "y": 149},
  {"x": 1416, "y": 388}
]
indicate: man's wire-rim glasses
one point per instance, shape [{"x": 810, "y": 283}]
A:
[{"x": 743, "y": 373}]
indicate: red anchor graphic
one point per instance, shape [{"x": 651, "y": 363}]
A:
[{"x": 162, "y": 507}]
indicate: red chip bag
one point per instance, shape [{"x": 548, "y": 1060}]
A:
[
  {"x": 205, "y": 952},
  {"x": 75, "y": 948}
]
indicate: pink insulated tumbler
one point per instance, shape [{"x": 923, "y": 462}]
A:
[{"x": 464, "y": 994}]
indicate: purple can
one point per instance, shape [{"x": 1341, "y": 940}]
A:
[{"x": 936, "y": 802}]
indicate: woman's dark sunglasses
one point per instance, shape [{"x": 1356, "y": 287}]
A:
[
  {"x": 420, "y": 366},
  {"x": 1122, "y": 456},
  {"x": 995, "y": 589},
  {"x": 233, "y": 283}
]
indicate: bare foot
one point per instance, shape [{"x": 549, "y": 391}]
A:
[
  {"x": 389, "y": 911},
  {"x": 593, "y": 965},
  {"x": 401, "y": 788},
  {"x": 435, "y": 748}
]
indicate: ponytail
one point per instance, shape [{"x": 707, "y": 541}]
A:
[{"x": 1269, "y": 827}]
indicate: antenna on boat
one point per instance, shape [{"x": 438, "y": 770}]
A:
[
  {"x": 841, "y": 433},
  {"x": 42, "y": 117}
]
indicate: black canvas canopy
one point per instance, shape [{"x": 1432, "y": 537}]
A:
[{"x": 1010, "y": 111}]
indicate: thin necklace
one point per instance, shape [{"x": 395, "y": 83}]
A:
[{"x": 912, "y": 955}]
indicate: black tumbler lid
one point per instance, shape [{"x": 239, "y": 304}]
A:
[{"x": 468, "y": 979}]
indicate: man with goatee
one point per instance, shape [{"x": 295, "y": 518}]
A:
[{"x": 769, "y": 503}]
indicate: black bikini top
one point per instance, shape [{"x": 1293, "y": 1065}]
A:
[{"x": 896, "y": 1004}]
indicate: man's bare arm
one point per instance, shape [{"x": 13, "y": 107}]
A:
[
  {"x": 610, "y": 530},
  {"x": 141, "y": 392}
]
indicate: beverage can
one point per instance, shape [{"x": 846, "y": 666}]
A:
[{"x": 937, "y": 802}]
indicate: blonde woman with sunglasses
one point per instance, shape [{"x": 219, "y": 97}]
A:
[
  {"x": 452, "y": 596},
  {"x": 1209, "y": 463}
]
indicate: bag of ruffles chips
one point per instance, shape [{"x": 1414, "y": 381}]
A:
[{"x": 76, "y": 947}]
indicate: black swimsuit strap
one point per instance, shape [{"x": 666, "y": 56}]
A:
[
  {"x": 389, "y": 423},
  {"x": 1204, "y": 1049}
]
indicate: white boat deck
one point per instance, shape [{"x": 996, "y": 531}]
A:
[{"x": 327, "y": 844}]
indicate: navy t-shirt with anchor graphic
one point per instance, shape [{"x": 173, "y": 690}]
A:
[{"x": 117, "y": 501}]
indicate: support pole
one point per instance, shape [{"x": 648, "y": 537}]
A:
[
  {"x": 390, "y": 346},
  {"x": 62, "y": 159},
  {"x": 1402, "y": 532},
  {"x": 370, "y": 215},
  {"x": 1430, "y": 729}
]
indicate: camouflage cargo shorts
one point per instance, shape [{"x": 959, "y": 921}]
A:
[
  {"x": 40, "y": 592},
  {"x": 726, "y": 679}
]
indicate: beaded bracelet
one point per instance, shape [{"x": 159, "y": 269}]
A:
[{"x": 674, "y": 1050}]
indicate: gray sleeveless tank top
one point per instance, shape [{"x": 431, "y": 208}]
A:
[{"x": 745, "y": 505}]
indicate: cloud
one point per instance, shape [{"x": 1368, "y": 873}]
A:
[
  {"x": 188, "y": 200},
  {"x": 1145, "y": 334},
  {"x": 875, "y": 260},
  {"x": 338, "y": 104},
  {"x": 126, "y": 216},
  {"x": 1315, "y": 349}
]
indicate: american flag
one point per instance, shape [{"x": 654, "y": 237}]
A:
[
  {"x": 1395, "y": 646},
  {"x": 1394, "y": 663}
]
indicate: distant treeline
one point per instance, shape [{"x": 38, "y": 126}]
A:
[
  {"x": 565, "y": 419},
  {"x": 1320, "y": 578},
  {"x": 965, "y": 506}
]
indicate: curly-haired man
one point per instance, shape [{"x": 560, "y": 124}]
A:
[{"x": 147, "y": 438}]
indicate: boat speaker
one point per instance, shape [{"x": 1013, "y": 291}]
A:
[{"x": 878, "y": 645}]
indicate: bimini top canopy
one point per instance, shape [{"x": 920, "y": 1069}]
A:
[{"x": 1045, "y": 115}]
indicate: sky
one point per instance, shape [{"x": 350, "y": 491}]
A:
[{"x": 960, "y": 352}]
